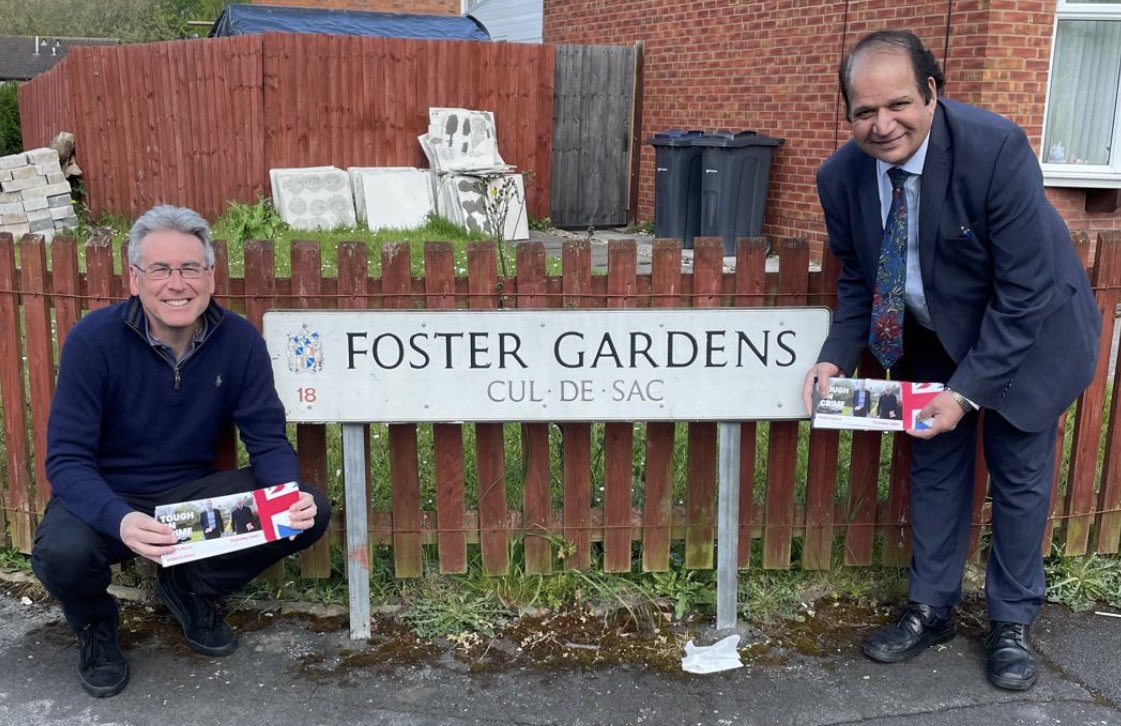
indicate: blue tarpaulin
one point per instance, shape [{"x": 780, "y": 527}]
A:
[{"x": 249, "y": 19}]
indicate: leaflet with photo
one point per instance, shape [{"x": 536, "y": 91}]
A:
[
  {"x": 871, "y": 404},
  {"x": 217, "y": 525}
]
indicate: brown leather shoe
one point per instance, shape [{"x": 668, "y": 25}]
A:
[
  {"x": 916, "y": 629},
  {"x": 1011, "y": 664}
]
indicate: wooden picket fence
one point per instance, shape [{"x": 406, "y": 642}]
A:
[{"x": 43, "y": 296}]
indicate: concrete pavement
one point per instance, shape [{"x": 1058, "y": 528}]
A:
[{"x": 307, "y": 671}]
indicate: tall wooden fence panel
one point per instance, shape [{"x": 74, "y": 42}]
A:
[
  {"x": 176, "y": 122},
  {"x": 580, "y": 495},
  {"x": 351, "y": 101},
  {"x": 200, "y": 122},
  {"x": 592, "y": 127},
  {"x": 46, "y": 105}
]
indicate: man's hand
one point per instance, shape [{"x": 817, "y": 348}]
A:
[
  {"x": 302, "y": 513},
  {"x": 147, "y": 537},
  {"x": 819, "y": 374},
  {"x": 943, "y": 414}
]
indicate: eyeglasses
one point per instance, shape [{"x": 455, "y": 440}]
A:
[{"x": 163, "y": 272}]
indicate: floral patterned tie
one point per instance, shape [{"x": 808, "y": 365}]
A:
[{"x": 885, "y": 339}]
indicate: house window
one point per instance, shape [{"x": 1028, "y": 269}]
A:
[{"x": 1081, "y": 133}]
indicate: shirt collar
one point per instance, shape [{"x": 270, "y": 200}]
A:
[
  {"x": 195, "y": 340},
  {"x": 914, "y": 165}
]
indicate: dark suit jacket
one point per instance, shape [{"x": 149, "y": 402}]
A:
[
  {"x": 861, "y": 402},
  {"x": 241, "y": 518},
  {"x": 1008, "y": 296},
  {"x": 217, "y": 527},
  {"x": 888, "y": 407}
]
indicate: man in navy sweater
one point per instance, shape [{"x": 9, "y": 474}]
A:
[{"x": 145, "y": 389}]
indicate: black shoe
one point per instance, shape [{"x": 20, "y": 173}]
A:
[
  {"x": 102, "y": 667},
  {"x": 917, "y": 628},
  {"x": 203, "y": 627},
  {"x": 1011, "y": 664}
]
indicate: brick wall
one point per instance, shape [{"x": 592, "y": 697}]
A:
[
  {"x": 771, "y": 67},
  {"x": 427, "y": 7}
]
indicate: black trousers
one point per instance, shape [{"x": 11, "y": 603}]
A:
[
  {"x": 1021, "y": 469},
  {"x": 73, "y": 560}
]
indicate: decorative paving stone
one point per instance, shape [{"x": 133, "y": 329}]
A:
[{"x": 314, "y": 198}]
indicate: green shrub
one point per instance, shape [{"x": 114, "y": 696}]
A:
[
  {"x": 243, "y": 222},
  {"x": 11, "y": 142}
]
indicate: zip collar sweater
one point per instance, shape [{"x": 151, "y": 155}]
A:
[{"x": 128, "y": 424}]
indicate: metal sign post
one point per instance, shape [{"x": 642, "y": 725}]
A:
[
  {"x": 357, "y": 532},
  {"x": 727, "y": 525}
]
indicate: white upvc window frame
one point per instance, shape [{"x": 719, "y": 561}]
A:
[{"x": 1086, "y": 176}]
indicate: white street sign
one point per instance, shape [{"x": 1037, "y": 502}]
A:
[{"x": 716, "y": 364}]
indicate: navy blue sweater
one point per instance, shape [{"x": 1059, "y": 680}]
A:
[{"x": 128, "y": 425}]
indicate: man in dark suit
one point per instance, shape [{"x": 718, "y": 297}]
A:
[
  {"x": 242, "y": 518},
  {"x": 888, "y": 405},
  {"x": 861, "y": 400},
  {"x": 997, "y": 307},
  {"x": 211, "y": 520}
]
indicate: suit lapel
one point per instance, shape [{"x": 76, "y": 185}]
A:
[
  {"x": 868, "y": 192},
  {"x": 935, "y": 181}
]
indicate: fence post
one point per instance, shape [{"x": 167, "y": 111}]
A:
[
  {"x": 577, "y": 284},
  {"x": 65, "y": 285},
  {"x": 14, "y": 402},
  {"x": 485, "y": 291},
  {"x": 700, "y": 493},
  {"x": 751, "y": 290},
  {"x": 657, "y": 514},
  {"x": 782, "y": 450},
  {"x": 447, "y": 439},
  {"x": 1082, "y": 471},
  {"x": 1109, "y": 498},
  {"x": 618, "y": 436},
  {"x": 537, "y": 517},
  {"x": 311, "y": 439},
  {"x": 40, "y": 353},
  {"x": 396, "y": 280}
]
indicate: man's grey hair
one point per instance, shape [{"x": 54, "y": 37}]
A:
[{"x": 168, "y": 218}]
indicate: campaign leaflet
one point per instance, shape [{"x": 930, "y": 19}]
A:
[
  {"x": 870, "y": 404},
  {"x": 217, "y": 525}
]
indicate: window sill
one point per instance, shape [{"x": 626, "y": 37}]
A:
[{"x": 1081, "y": 179}]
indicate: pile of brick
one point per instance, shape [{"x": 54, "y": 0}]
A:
[{"x": 34, "y": 194}]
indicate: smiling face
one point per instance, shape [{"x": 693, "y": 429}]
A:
[
  {"x": 174, "y": 305},
  {"x": 890, "y": 117}
]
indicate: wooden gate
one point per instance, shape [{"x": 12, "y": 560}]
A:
[{"x": 593, "y": 105}]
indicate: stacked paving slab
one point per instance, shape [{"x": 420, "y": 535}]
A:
[
  {"x": 34, "y": 194},
  {"x": 462, "y": 149}
]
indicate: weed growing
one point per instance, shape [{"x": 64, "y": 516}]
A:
[
  {"x": 1081, "y": 582},
  {"x": 250, "y": 221}
]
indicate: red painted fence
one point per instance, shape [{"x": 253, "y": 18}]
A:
[
  {"x": 835, "y": 498},
  {"x": 200, "y": 122}
]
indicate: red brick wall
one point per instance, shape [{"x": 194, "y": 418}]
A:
[
  {"x": 429, "y": 7},
  {"x": 772, "y": 67}
]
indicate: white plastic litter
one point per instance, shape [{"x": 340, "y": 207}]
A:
[{"x": 720, "y": 656}]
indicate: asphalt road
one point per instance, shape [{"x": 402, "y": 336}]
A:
[{"x": 288, "y": 673}]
